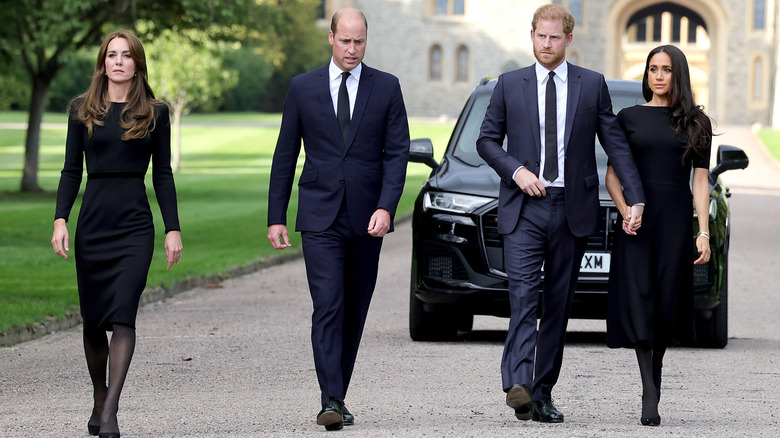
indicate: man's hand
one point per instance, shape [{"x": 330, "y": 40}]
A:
[
  {"x": 277, "y": 234},
  {"x": 529, "y": 183},
  {"x": 379, "y": 224}
]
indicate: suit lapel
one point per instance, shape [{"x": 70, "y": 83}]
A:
[
  {"x": 532, "y": 106},
  {"x": 326, "y": 101},
  {"x": 572, "y": 100},
  {"x": 364, "y": 91}
]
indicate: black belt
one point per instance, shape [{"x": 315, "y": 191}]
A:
[{"x": 102, "y": 175}]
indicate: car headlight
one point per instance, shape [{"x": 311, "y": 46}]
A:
[{"x": 453, "y": 202}]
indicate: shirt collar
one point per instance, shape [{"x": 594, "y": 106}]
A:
[
  {"x": 562, "y": 71},
  {"x": 335, "y": 72}
]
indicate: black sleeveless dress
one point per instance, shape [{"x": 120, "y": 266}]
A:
[
  {"x": 651, "y": 284},
  {"x": 114, "y": 238}
]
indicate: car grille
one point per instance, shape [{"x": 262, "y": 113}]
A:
[
  {"x": 444, "y": 263},
  {"x": 703, "y": 275},
  {"x": 491, "y": 238}
]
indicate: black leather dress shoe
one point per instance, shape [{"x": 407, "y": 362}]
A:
[
  {"x": 519, "y": 398},
  {"x": 545, "y": 411},
  {"x": 349, "y": 419},
  {"x": 331, "y": 415}
]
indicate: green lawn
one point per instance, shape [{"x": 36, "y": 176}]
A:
[
  {"x": 772, "y": 140},
  {"x": 222, "y": 189}
]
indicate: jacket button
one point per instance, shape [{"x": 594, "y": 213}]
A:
[
  {"x": 345, "y": 158},
  {"x": 341, "y": 180}
]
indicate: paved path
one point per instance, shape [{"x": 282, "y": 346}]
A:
[{"x": 235, "y": 360}]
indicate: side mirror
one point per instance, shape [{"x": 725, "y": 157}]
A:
[
  {"x": 729, "y": 158},
  {"x": 421, "y": 151}
]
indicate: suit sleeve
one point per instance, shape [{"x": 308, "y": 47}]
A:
[
  {"x": 288, "y": 147},
  {"x": 492, "y": 133},
  {"x": 396, "y": 153},
  {"x": 614, "y": 142}
]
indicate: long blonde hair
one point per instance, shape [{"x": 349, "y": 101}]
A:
[{"x": 137, "y": 117}]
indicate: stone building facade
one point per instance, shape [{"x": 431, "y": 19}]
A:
[{"x": 440, "y": 49}]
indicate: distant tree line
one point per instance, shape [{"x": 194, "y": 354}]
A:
[{"x": 48, "y": 50}]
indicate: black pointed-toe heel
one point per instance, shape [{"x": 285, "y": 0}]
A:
[
  {"x": 651, "y": 421},
  {"x": 93, "y": 430}
]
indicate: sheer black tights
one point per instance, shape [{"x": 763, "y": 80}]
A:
[
  {"x": 650, "y": 364},
  {"x": 115, "y": 356}
]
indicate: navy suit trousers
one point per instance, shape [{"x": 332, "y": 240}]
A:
[
  {"x": 541, "y": 238},
  {"x": 341, "y": 267}
]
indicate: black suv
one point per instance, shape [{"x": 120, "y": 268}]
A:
[{"x": 457, "y": 255}]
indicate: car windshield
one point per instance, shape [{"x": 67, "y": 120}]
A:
[{"x": 466, "y": 148}]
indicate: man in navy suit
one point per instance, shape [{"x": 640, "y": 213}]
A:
[
  {"x": 355, "y": 133},
  {"x": 550, "y": 114}
]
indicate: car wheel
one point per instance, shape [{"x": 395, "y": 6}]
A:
[
  {"x": 713, "y": 332},
  {"x": 720, "y": 316},
  {"x": 430, "y": 326}
]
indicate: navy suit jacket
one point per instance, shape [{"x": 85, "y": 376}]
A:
[
  {"x": 368, "y": 172},
  {"x": 514, "y": 112}
]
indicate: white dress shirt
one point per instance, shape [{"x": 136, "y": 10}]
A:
[
  {"x": 561, "y": 93},
  {"x": 352, "y": 85}
]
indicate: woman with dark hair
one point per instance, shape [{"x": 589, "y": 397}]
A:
[
  {"x": 650, "y": 291},
  {"x": 117, "y": 127}
]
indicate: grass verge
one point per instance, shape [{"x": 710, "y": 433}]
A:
[{"x": 222, "y": 188}]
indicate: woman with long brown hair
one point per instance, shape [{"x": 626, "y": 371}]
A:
[
  {"x": 650, "y": 291},
  {"x": 117, "y": 127}
]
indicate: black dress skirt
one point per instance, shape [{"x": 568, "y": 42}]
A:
[
  {"x": 650, "y": 289},
  {"x": 114, "y": 239}
]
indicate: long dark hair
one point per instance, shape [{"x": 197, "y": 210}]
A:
[
  {"x": 691, "y": 125},
  {"x": 137, "y": 117}
]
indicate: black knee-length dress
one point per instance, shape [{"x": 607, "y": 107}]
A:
[
  {"x": 114, "y": 238},
  {"x": 650, "y": 286}
]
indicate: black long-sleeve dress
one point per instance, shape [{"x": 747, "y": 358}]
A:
[
  {"x": 114, "y": 238},
  {"x": 650, "y": 288}
]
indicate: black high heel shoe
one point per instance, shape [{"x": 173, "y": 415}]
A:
[
  {"x": 94, "y": 430},
  {"x": 654, "y": 420}
]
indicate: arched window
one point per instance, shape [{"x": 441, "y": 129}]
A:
[
  {"x": 759, "y": 14},
  {"x": 462, "y": 67},
  {"x": 434, "y": 67}
]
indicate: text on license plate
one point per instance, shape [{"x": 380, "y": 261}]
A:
[{"x": 595, "y": 262}]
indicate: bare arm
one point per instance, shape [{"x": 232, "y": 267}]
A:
[{"x": 701, "y": 200}]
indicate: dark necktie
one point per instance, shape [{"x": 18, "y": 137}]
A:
[
  {"x": 342, "y": 113},
  {"x": 550, "y": 132}
]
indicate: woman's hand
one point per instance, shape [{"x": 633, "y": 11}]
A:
[
  {"x": 60, "y": 238},
  {"x": 173, "y": 247},
  {"x": 703, "y": 246}
]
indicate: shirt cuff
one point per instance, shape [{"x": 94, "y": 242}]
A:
[{"x": 515, "y": 172}]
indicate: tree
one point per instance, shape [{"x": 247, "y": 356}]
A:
[
  {"x": 195, "y": 77},
  {"x": 41, "y": 36}
]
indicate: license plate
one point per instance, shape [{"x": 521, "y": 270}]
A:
[{"x": 597, "y": 262}]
